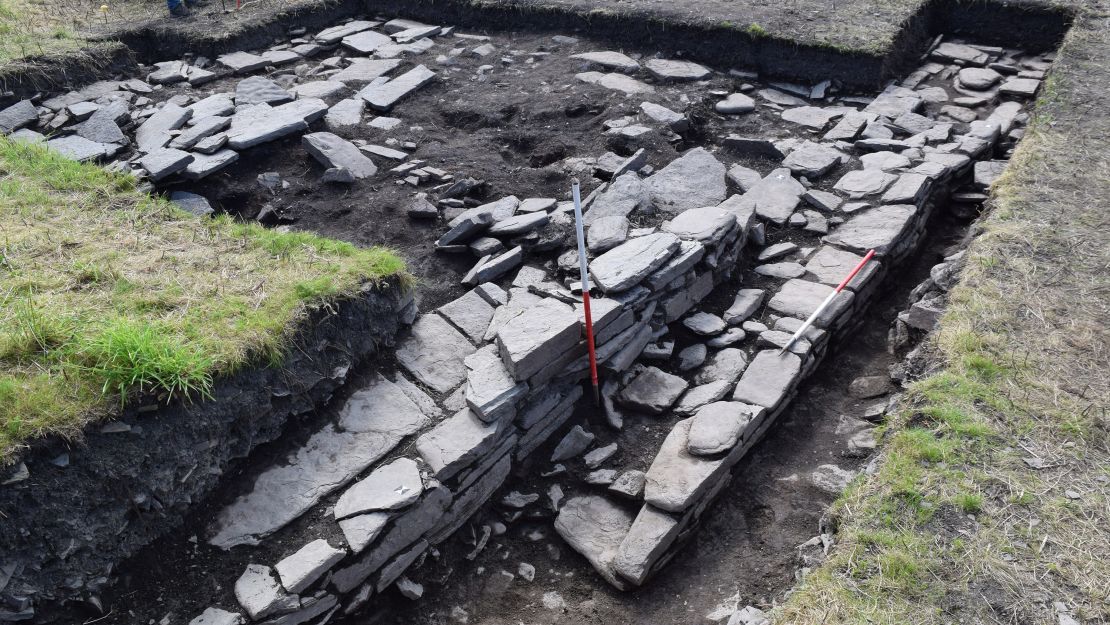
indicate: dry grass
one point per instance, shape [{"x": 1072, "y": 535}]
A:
[
  {"x": 993, "y": 495},
  {"x": 106, "y": 293}
]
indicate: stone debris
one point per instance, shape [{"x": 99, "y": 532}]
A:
[
  {"x": 573, "y": 444},
  {"x": 615, "y": 82},
  {"x": 261, "y": 595},
  {"x": 333, "y": 151},
  {"x": 609, "y": 60},
  {"x": 299, "y": 571},
  {"x": 595, "y": 527},
  {"x": 383, "y": 97},
  {"x": 390, "y": 487},
  {"x": 676, "y": 71},
  {"x": 735, "y": 104}
]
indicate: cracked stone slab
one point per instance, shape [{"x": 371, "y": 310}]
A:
[
  {"x": 768, "y": 379},
  {"x": 652, "y": 533},
  {"x": 624, "y": 194},
  {"x": 676, "y": 479},
  {"x": 360, "y": 531},
  {"x": 261, "y": 595},
  {"x": 707, "y": 225},
  {"x": 538, "y": 336},
  {"x": 653, "y": 391},
  {"x": 362, "y": 71},
  {"x": 207, "y": 164},
  {"x": 626, "y": 265},
  {"x": 331, "y": 150},
  {"x": 775, "y": 197},
  {"x": 373, "y": 421},
  {"x": 389, "y": 487},
  {"x": 382, "y": 97},
  {"x": 471, "y": 313},
  {"x": 154, "y": 133},
  {"x": 491, "y": 392},
  {"x": 366, "y": 41},
  {"x": 800, "y": 298},
  {"x": 433, "y": 353},
  {"x": 692, "y": 180},
  {"x": 253, "y": 125},
  {"x": 18, "y": 115},
  {"x": 300, "y": 570},
  {"x": 594, "y": 526},
  {"x": 879, "y": 228},
  {"x": 456, "y": 443}
]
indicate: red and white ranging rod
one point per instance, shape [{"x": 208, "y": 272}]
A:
[
  {"x": 828, "y": 300},
  {"x": 576, "y": 194}
]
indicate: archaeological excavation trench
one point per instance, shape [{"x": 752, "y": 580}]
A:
[{"x": 435, "y": 455}]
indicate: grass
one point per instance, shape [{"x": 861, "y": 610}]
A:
[
  {"x": 991, "y": 497},
  {"x": 107, "y": 294}
]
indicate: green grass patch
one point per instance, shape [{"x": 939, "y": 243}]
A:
[{"x": 107, "y": 294}]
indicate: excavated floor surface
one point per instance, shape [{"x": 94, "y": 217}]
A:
[{"x": 513, "y": 126}]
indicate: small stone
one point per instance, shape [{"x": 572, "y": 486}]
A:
[
  {"x": 300, "y": 570},
  {"x": 745, "y": 304},
  {"x": 735, "y": 104},
  {"x": 867, "y": 387},
  {"x": 730, "y": 336},
  {"x": 831, "y": 478},
  {"x": 410, "y": 589},
  {"x": 598, "y": 456},
  {"x": 260, "y": 594},
  {"x": 725, "y": 365},
  {"x": 574, "y": 443},
  {"x": 692, "y": 357},
  {"x": 526, "y": 571},
  {"x": 629, "y": 484}
]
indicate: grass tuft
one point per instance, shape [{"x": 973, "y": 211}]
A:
[{"x": 108, "y": 294}]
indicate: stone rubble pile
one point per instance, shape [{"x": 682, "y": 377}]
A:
[
  {"x": 198, "y": 133},
  {"x": 509, "y": 362}
]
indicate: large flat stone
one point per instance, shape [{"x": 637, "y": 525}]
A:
[
  {"x": 491, "y": 392},
  {"x": 154, "y": 133},
  {"x": 701, "y": 395},
  {"x": 693, "y": 180},
  {"x": 799, "y": 298},
  {"x": 81, "y": 149},
  {"x": 18, "y": 115},
  {"x": 261, "y": 123},
  {"x": 242, "y": 62},
  {"x": 538, "y": 336},
  {"x": 405, "y": 531},
  {"x": 653, "y": 391},
  {"x": 677, "y": 479},
  {"x": 366, "y": 41},
  {"x": 204, "y": 165},
  {"x": 259, "y": 90},
  {"x": 609, "y": 60},
  {"x": 433, "y": 353},
  {"x": 615, "y": 82},
  {"x": 676, "y": 71},
  {"x": 301, "y": 569},
  {"x": 626, "y": 265},
  {"x": 335, "y": 34},
  {"x": 775, "y": 197},
  {"x": 651, "y": 534},
  {"x": 374, "y": 421},
  {"x": 707, "y": 225},
  {"x": 624, "y": 194},
  {"x": 471, "y": 313},
  {"x": 389, "y": 487},
  {"x": 382, "y": 97},
  {"x": 362, "y": 71},
  {"x": 726, "y": 365},
  {"x": 768, "y": 379},
  {"x": 831, "y": 265},
  {"x": 879, "y": 228},
  {"x": 813, "y": 160},
  {"x": 717, "y": 427},
  {"x": 456, "y": 443},
  {"x": 594, "y": 526},
  {"x": 361, "y": 531},
  {"x": 860, "y": 183},
  {"x": 334, "y": 151},
  {"x": 164, "y": 163}
]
